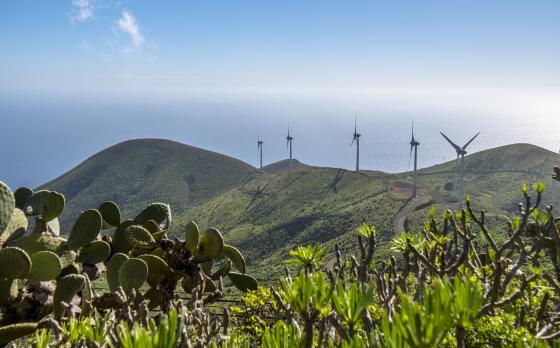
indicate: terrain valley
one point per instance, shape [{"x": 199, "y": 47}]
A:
[{"x": 266, "y": 215}]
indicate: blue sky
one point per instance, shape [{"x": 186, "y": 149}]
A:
[
  {"x": 81, "y": 75},
  {"x": 174, "y": 47}
]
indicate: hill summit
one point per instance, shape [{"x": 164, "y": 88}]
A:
[{"x": 136, "y": 172}]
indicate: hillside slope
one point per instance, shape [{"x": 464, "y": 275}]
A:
[
  {"x": 136, "y": 172},
  {"x": 269, "y": 215}
]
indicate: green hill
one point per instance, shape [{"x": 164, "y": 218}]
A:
[
  {"x": 269, "y": 215},
  {"x": 283, "y": 165},
  {"x": 266, "y": 215},
  {"x": 136, "y": 172}
]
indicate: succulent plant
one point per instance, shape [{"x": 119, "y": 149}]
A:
[
  {"x": 210, "y": 245},
  {"x": 12, "y": 332},
  {"x": 15, "y": 263},
  {"x": 85, "y": 229},
  {"x": 132, "y": 274},
  {"x": 47, "y": 204},
  {"x": 7, "y": 206},
  {"x": 67, "y": 287},
  {"x": 45, "y": 266},
  {"x": 110, "y": 213},
  {"x": 236, "y": 257},
  {"x": 113, "y": 267},
  {"x": 42, "y": 272},
  {"x": 139, "y": 237},
  {"x": 95, "y": 252},
  {"x": 243, "y": 282}
]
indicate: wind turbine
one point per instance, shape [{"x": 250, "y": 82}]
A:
[
  {"x": 413, "y": 145},
  {"x": 289, "y": 145},
  {"x": 461, "y": 152},
  {"x": 356, "y": 139},
  {"x": 259, "y": 148}
]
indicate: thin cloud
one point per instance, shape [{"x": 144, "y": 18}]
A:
[
  {"x": 83, "y": 10},
  {"x": 127, "y": 23}
]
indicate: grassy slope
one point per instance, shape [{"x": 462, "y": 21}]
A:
[
  {"x": 268, "y": 216},
  {"x": 137, "y": 172}
]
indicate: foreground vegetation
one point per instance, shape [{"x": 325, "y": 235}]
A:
[{"x": 453, "y": 285}]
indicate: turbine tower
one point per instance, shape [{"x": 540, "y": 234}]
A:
[
  {"x": 259, "y": 148},
  {"x": 356, "y": 139},
  {"x": 289, "y": 145},
  {"x": 413, "y": 145},
  {"x": 461, "y": 152}
]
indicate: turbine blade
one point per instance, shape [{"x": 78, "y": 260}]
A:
[
  {"x": 470, "y": 141},
  {"x": 455, "y": 146}
]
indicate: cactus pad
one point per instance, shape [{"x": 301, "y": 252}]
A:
[
  {"x": 13, "y": 332},
  {"x": 191, "y": 237},
  {"x": 236, "y": 257},
  {"x": 243, "y": 282},
  {"x": 160, "y": 235},
  {"x": 139, "y": 237},
  {"x": 113, "y": 267},
  {"x": 16, "y": 226},
  {"x": 87, "y": 296},
  {"x": 22, "y": 196},
  {"x": 67, "y": 258},
  {"x": 85, "y": 229},
  {"x": 132, "y": 274},
  {"x": 188, "y": 284},
  {"x": 210, "y": 245},
  {"x": 45, "y": 266},
  {"x": 155, "y": 297},
  {"x": 110, "y": 213},
  {"x": 222, "y": 271},
  {"x": 151, "y": 226},
  {"x": 14, "y": 263},
  {"x": 120, "y": 244},
  {"x": 39, "y": 242},
  {"x": 7, "y": 205},
  {"x": 159, "y": 212},
  {"x": 95, "y": 252},
  {"x": 158, "y": 269},
  {"x": 66, "y": 288},
  {"x": 74, "y": 268},
  {"x": 48, "y": 204}
]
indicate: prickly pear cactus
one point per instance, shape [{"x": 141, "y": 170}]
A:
[
  {"x": 113, "y": 267},
  {"x": 12, "y": 332},
  {"x": 111, "y": 214},
  {"x": 139, "y": 237},
  {"x": 7, "y": 205},
  {"x": 14, "y": 263},
  {"x": 45, "y": 266},
  {"x": 191, "y": 237},
  {"x": 243, "y": 282},
  {"x": 47, "y": 204},
  {"x": 16, "y": 227},
  {"x": 210, "y": 245},
  {"x": 236, "y": 257},
  {"x": 158, "y": 212},
  {"x": 85, "y": 229},
  {"x": 67, "y": 287},
  {"x": 158, "y": 270},
  {"x": 95, "y": 252},
  {"x": 132, "y": 274}
]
